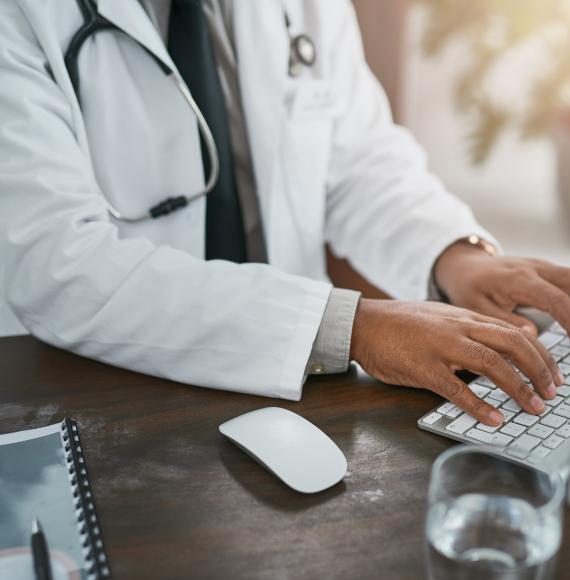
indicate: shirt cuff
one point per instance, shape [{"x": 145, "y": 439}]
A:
[{"x": 331, "y": 349}]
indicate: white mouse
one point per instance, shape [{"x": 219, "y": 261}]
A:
[{"x": 291, "y": 447}]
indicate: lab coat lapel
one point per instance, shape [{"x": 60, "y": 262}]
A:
[
  {"x": 262, "y": 50},
  {"x": 131, "y": 18}
]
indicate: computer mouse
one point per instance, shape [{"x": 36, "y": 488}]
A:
[{"x": 290, "y": 447}]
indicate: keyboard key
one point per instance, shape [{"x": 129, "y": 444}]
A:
[
  {"x": 553, "y": 442},
  {"x": 479, "y": 435},
  {"x": 538, "y": 454},
  {"x": 565, "y": 342},
  {"x": 564, "y": 368},
  {"x": 512, "y": 405},
  {"x": 500, "y": 395},
  {"x": 431, "y": 418},
  {"x": 508, "y": 415},
  {"x": 498, "y": 439},
  {"x": 563, "y": 391},
  {"x": 513, "y": 429},
  {"x": 493, "y": 402},
  {"x": 554, "y": 402},
  {"x": 461, "y": 424},
  {"x": 522, "y": 446},
  {"x": 445, "y": 407},
  {"x": 450, "y": 410},
  {"x": 479, "y": 390},
  {"x": 553, "y": 421},
  {"x": 501, "y": 439},
  {"x": 454, "y": 413},
  {"x": 525, "y": 419},
  {"x": 556, "y": 327},
  {"x": 541, "y": 431},
  {"x": 562, "y": 410},
  {"x": 564, "y": 431},
  {"x": 549, "y": 339},
  {"x": 559, "y": 352},
  {"x": 486, "y": 382},
  {"x": 487, "y": 428}
]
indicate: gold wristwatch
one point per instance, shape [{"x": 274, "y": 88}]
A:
[{"x": 477, "y": 242}]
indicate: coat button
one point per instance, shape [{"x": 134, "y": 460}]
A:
[{"x": 317, "y": 369}]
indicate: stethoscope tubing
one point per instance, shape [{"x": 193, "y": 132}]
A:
[
  {"x": 93, "y": 23},
  {"x": 171, "y": 204}
]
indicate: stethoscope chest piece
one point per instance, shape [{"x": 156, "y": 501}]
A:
[{"x": 302, "y": 51}]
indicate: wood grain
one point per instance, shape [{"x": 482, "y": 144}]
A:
[{"x": 176, "y": 500}]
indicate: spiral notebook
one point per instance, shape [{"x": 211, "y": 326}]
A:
[{"x": 43, "y": 475}]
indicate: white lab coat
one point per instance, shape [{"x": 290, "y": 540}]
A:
[{"x": 141, "y": 296}]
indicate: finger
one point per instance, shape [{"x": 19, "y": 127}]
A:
[
  {"x": 526, "y": 351},
  {"x": 491, "y": 309},
  {"x": 486, "y": 361},
  {"x": 544, "y": 296},
  {"x": 455, "y": 390},
  {"x": 557, "y": 275}
]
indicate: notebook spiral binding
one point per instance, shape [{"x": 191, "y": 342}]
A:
[{"x": 97, "y": 565}]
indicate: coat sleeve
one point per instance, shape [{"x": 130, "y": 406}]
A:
[
  {"x": 386, "y": 213},
  {"x": 74, "y": 283}
]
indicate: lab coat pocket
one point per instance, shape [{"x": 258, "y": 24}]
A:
[
  {"x": 307, "y": 143},
  {"x": 306, "y": 153}
]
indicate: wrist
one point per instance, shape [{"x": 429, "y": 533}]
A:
[
  {"x": 449, "y": 267},
  {"x": 365, "y": 324}
]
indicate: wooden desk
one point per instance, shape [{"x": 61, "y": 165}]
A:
[{"x": 176, "y": 500}]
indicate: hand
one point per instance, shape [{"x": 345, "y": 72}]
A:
[
  {"x": 422, "y": 344},
  {"x": 495, "y": 286}
]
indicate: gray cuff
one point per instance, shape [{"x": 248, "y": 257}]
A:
[{"x": 331, "y": 349}]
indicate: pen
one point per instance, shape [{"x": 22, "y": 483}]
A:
[{"x": 40, "y": 552}]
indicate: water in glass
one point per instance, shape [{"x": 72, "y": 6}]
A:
[{"x": 493, "y": 537}]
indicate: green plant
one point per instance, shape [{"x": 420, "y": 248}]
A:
[{"x": 501, "y": 35}]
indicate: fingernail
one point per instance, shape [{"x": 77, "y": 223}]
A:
[
  {"x": 551, "y": 391},
  {"x": 536, "y": 404},
  {"x": 529, "y": 330},
  {"x": 559, "y": 378},
  {"x": 496, "y": 417}
]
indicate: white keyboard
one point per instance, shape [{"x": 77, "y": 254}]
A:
[{"x": 542, "y": 441}]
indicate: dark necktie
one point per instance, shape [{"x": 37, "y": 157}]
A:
[{"x": 191, "y": 50}]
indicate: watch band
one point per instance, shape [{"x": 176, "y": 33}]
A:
[{"x": 478, "y": 242}]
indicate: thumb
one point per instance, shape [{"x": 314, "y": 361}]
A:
[{"x": 491, "y": 309}]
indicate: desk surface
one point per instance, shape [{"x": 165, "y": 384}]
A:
[{"x": 176, "y": 500}]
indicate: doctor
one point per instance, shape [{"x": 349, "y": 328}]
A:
[{"x": 227, "y": 286}]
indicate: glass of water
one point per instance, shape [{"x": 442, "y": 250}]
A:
[{"x": 491, "y": 518}]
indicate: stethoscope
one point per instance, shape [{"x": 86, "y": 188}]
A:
[{"x": 302, "y": 52}]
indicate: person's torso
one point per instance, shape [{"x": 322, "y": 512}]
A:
[{"x": 142, "y": 137}]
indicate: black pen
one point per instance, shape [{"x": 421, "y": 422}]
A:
[{"x": 40, "y": 553}]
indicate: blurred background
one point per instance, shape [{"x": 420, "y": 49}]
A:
[{"x": 484, "y": 85}]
